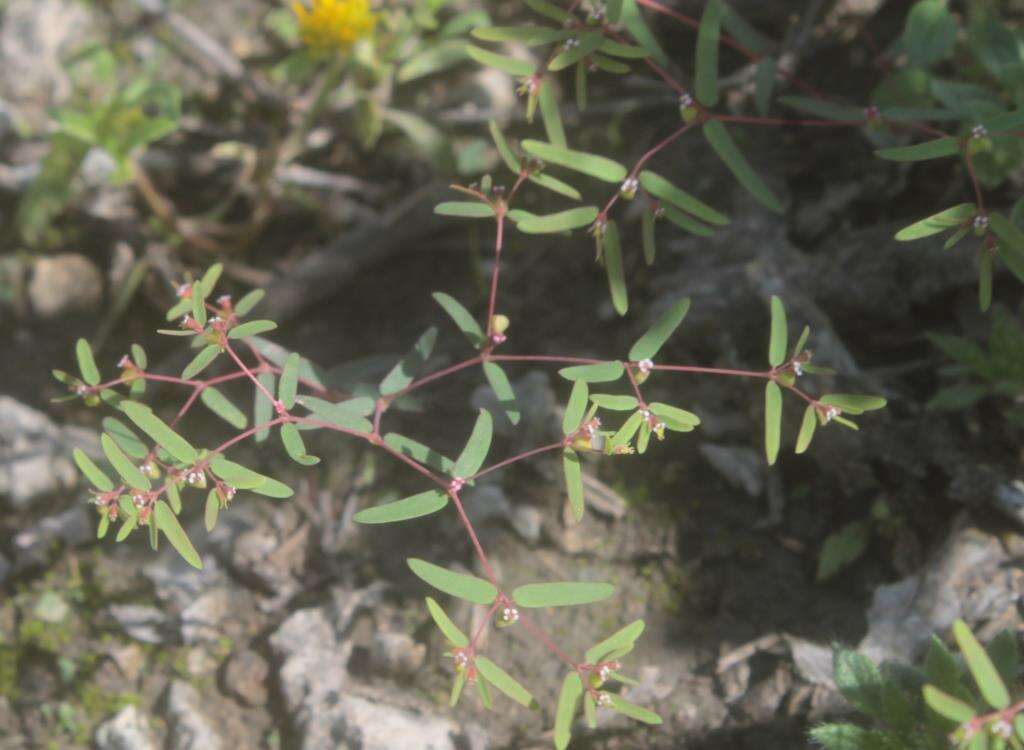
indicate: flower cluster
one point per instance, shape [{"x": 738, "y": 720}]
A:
[{"x": 334, "y": 24}]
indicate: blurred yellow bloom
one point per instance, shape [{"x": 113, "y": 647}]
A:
[{"x": 334, "y": 24}]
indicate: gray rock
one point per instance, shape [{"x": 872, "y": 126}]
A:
[
  {"x": 63, "y": 284},
  {"x": 33, "y": 454},
  {"x": 371, "y": 725},
  {"x": 245, "y": 677},
  {"x": 177, "y": 583},
  {"x": 33, "y": 37},
  {"x": 968, "y": 578},
  {"x": 128, "y": 730},
  {"x": 144, "y": 624},
  {"x": 396, "y": 654},
  {"x": 190, "y": 728},
  {"x": 200, "y": 621},
  {"x": 319, "y": 693},
  {"x": 35, "y": 545}
]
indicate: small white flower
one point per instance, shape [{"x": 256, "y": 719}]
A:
[
  {"x": 645, "y": 365},
  {"x": 461, "y": 659},
  {"x": 604, "y": 672},
  {"x": 570, "y": 43},
  {"x": 510, "y": 615},
  {"x": 604, "y": 700},
  {"x": 685, "y": 100},
  {"x": 979, "y": 131},
  {"x": 456, "y": 484},
  {"x": 1001, "y": 728},
  {"x": 798, "y": 369},
  {"x": 831, "y": 413},
  {"x": 981, "y": 222}
]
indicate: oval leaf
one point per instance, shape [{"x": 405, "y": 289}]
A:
[
  {"x": 725, "y": 147},
  {"x": 460, "y": 585},
  {"x": 422, "y": 504},
  {"x": 167, "y": 522},
  {"x": 561, "y": 593}
]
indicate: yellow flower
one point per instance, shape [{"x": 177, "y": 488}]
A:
[{"x": 334, "y": 24}]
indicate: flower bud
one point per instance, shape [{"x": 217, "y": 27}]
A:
[
  {"x": 499, "y": 323},
  {"x": 628, "y": 188},
  {"x": 688, "y": 108}
]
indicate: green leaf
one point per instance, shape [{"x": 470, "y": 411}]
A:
[
  {"x": 167, "y": 522},
  {"x": 851, "y": 403},
  {"x": 127, "y": 440},
  {"x": 674, "y": 417},
  {"x": 634, "y": 22},
  {"x": 573, "y": 481},
  {"x": 86, "y": 362},
  {"x": 859, "y": 680},
  {"x": 778, "y": 342},
  {"x": 930, "y": 33},
  {"x": 263, "y": 409},
  {"x": 581, "y": 86},
  {"x": 764, "y": 84},
  {"x": 212, "y": 510},
  {"x": 586, "y": 43},
  {"x": 625, "y": 433},
  {"x": 843, "y": 737},
  {"x": 568, "y": 701},
  {"x": 123, "y": 465},
  {"x": 633, "y": 711},
  {"x": 209, "y": 281},
  {"x": 772, "y": 420},
  {"x": 935, "y": 149},
  {"x": 1002, "y": 650},
  {"x": 198, "y": 304},
  {"x": 985, "y": 274},
  {"x": 349, "y": 414},
  {"x": 613, "y": 268},
  {"x": 1007, "y": 231},
  {"x": 528, "y": 35},
  {"x": 403, "y": 373},
  {"x": 561, "y": 593},
  {"x": 509, "y": 65},
  {"x": 445, "y": 625},
  {"x": 174, "y": 497},
  {"x": 479, "y": 443},
  {"x": 432, "y": 59},
  {"x": 252, "y": 328},
  {"x": 807, "y": 428},
  {"x": 842, "y": 548},
  {"x": 618, "y": 49},
  {"x": 550, "y": 116},
  {"x": 576, "y": 408},
  {"x": 459, "y": 585},
  {"x": 465, "y": 209},
  {"x": 937, "y": 223},
  {"x": 648, "y": 345},
  {"x": 665, "y": 191},
  {"x": 92, "y": 472},
  {"x": 725, "y": 147},
  {"x": 614, "y": 402},
  {"x": 624, "y": 638},
  {"x": 563, "y": 221},
  {"x": 152, "y": 425},
  {"x": 984, "y": 672},
  {"x": 594, "y": 165},
  {"x": 248, "y": 302},
  {"x": 294, "y": 445},
  {"x": 686, "y": 222},
  {"x": 942, "y": 669},
  {"x": 485, "y": 693},
  {"x": 416, "y": 506},
  {"x": 504, "y": 150},
  {"x": 219, "y": 404},
  {"x": 502, "y": 388},
  {"x": 602, "y": 372},
  {"x": 236, "y": 475},
  {"x": 504, "y": 682},
  {"x": 706, "y": 71},
  {"x": 464, "y": 320},
  {"x": 201, "y": 361},
  {"x": 800, "y": 342},
  {"x": 947, "y": 706},
  {"x": 288, "y": 384},
  {"x": 647, "y": 236},
  {"x": 460, "y": 682},
  {"x": 419, "y": 452}
]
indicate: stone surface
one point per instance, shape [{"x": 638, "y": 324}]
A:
[
  {"x": 144, "y": 623},
  {"x": 128, "y": 730},
  {"x": 33, "y": 454},
  {"x": 371, "y": 725},
  {"x": 396, "y": 654},
  {"x": 66, "y": 283},
  {"x": 245, "y": 677},
  {"x": 190, "y": 727}
]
